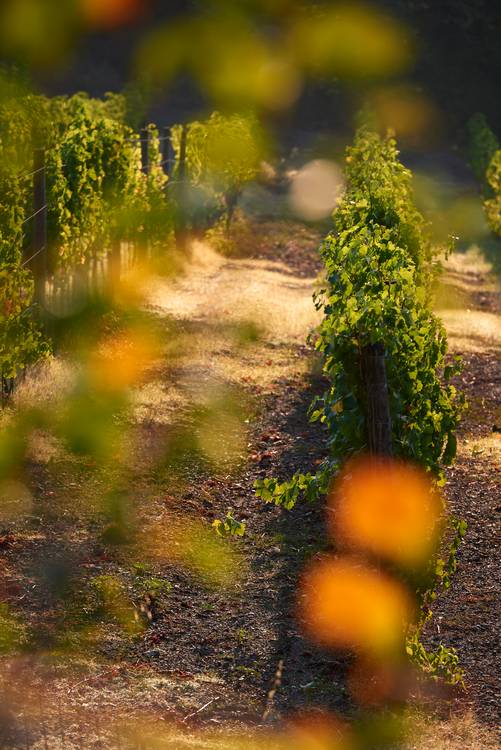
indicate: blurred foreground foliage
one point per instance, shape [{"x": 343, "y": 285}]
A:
[{"x": 258, "y": 54}]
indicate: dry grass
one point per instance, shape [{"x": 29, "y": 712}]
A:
[
  {"x": 230, "y": 322},
  {"x": 488, "y": 447},
  {"x": 469, "y": 330},
  {"x": 458, "y": 733},
  {"x": 47, "y": 383},
  {"x": 472, "y": 330},
  {"x": 471, "y": 265},
  {"x": 236, "y": 322},
  {"x": 237, "y": 291}
]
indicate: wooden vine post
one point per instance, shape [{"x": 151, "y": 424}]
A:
[
  {"x": 38, "y": 252},
  {"x": 115, "y": 263},
  {"x": 168, "y": 156},
  {"x": 145, "y": 135},
  {"x": 180, "y": 222},
  {"x": 145, "y": 150},
  {"x": 378, "y": 420}
]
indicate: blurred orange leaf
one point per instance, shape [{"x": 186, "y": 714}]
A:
[
  {"x": 387, "y": 508},
  {"x": 110, "y": 13},
  {"x": 347, "y": 605},
  {"x": 316, "y": 730},
  {"x": 121, "y": 361}
]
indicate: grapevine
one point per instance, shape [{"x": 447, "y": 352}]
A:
[
  {"x": 493, "y": 204},
  {"x": 485, "y": 160},
  {"x": 97, "y": 195},
  {"x": 223, "y": 154},
  {"x": 379, "y": 264}
]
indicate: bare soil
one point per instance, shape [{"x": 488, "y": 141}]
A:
[{"x": 209, "y": 656}]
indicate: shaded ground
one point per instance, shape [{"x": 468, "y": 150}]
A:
[
  {"x": 467, "y": 617},
  {"x": 203, "y": 646},
  {"x": 209, "y": 657}
]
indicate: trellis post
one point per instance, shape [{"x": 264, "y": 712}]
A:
[
  {"x": 378, "y": 420},
  {"x": 145, "y": 150},
  {"x": 145, "y": 136},
  {"x": 168, "y": 156},
  {"x": 37, "y": 261},
  {"x": 180, "y": 224}
]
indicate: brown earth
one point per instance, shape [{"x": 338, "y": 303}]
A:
[{"x": 209, "y": 657}]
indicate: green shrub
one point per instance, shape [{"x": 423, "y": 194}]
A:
[
  {"x": 492, "y": 205},
  {"x": 223, "y": 154},
  {"x": 485, "y": 159},
  {"x": 21, "y": 342},
  {"x": 482, "y": 145}
]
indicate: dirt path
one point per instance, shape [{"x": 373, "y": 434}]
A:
[
  {"x": 210, "y": 656},
  {"x": 239, "y": 327},
  {"x": 468, "y": 616}
]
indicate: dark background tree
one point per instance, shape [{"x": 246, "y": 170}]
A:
[{"x": 458, "y": 66}]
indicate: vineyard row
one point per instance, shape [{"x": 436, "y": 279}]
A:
[{"x": 81, "y": 193}]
